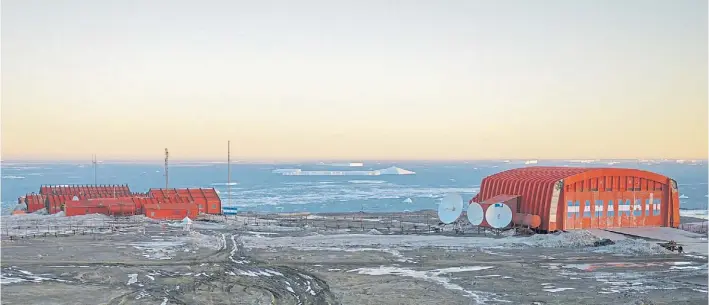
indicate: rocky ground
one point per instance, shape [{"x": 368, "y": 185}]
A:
[{"x": 230, "y": 263}]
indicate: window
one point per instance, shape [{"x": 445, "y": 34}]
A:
[
  {"x": 658, "y": 186},
  {"x": 152, "y": 214},
  {"x": 608, "y": 183},
  {"x": 214, "y": 206}
]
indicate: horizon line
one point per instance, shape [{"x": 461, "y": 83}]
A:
[{"x": 258, "y": 161}]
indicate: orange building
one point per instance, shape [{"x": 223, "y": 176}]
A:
[
  {"x": 579, "y": 198},
  {"x": 118, "y": 199}
]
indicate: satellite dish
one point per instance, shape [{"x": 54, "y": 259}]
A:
[
  {"x": 475, "y": 214},
  {"x": 498, "y": 215},
  {"x": 75, "y": 198},
  {"x": 450, "y": 208}
]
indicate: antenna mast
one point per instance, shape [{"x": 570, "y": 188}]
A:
[
  {"x": 93, "y": 162},
  {"x": 228, "y": 170},
  {"x": 166, "y": 158}
]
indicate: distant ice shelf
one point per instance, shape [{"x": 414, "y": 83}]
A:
[
  {"x": 386, "y": 171},
  {"x": 351, "y": 164}
]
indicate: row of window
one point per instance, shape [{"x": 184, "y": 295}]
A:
[{"x": 614, "y": 183}]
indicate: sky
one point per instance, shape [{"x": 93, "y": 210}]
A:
[{"x": 358, "y": 80}]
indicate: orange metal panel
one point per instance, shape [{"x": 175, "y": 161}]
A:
[
  {"x": 172, "y": 211},
  {"x": 633, "y": 204}
]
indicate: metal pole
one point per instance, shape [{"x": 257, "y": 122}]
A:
[
  {"x": 94, "y": 160},
  {"x": 228, "y": 169},
  {"x": 166, "y": 177}
]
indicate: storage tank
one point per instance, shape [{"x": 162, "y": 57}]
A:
[{"x": 581, "y": 198}]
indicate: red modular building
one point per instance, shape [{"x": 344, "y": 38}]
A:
[
  {"x": 568, "y": 198},
  {"x": 119, "y": 200}
]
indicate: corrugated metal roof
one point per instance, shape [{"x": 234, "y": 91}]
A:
[
  {"x": 499, "y": 198},
  {"x": 534, "y": 185},
  {"x": 544, "y": 173}
]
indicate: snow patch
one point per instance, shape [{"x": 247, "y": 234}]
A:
[
  {"x": 158, "y": 250},
  {"x": 633, "y": 247},
  {"x": 431, "y": 276},
  {"x": 367, "y": 181},
  {"x": 205, "y": 241},
  {"x": 556, "y": 289},
  {"x": 132, "y": 278}
]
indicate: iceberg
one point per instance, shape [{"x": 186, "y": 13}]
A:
[
  {"x": 386, "y": 171},
  {"x": 285, "y": 170},
  {"x": 407, "y": 200},
  {"x": 394, "y": 171},
  {"x": 582, "y": 161},
  {"x": 351, "y": 164}
]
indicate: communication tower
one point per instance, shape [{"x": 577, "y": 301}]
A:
[{"x": 166, "y": 176}]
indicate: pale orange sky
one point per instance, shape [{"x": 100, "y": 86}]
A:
[{"x": 354, "y": 80}]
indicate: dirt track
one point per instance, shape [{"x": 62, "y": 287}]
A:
[{"x": 114, "y": 277}]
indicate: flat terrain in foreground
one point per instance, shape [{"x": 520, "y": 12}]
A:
[{"x": 235, "y": 262}]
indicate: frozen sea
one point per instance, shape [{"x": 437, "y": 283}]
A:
[{"x": 256, "y": 188}]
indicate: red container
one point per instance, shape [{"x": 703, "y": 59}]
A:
[
  {"x": 74, "y": 209},
  {"x": 580, "y": 198},
  {"x": 171, "y": 211},
  {"x": 106, "y": 206},
  {"x": 122, "y": 209}
]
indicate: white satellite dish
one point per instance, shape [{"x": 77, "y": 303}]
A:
[
  {"x": 498, "y": 215},
  {"x": 475, "y": 214},
  {"x": 75, "y": 198},
  {"x": 450, "y": 208}
]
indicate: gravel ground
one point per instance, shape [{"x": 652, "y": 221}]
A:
[{"x": 231, "y": 263}]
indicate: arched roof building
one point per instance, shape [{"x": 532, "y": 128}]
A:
[{"x": 579, "y": 198}]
